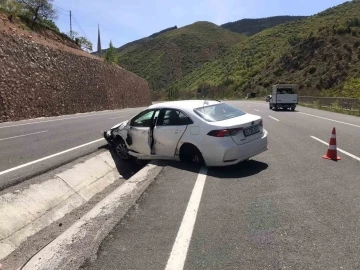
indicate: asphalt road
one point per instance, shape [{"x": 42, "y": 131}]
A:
[
  {"x": 284, "y": 209},
  {"x": 32, "y": 143}
]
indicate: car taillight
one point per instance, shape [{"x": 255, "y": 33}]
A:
[
  {"x": 261, "y": 123},
  {"x": 224, "y": 132}
]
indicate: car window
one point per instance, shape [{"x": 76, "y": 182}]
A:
[
  {"x": 171, "y": 117},
  {"x": 143, "y": 119},
  {"x": 218, "y": 112}
]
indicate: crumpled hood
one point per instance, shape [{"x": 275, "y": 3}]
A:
[{"x": 122, "y": 124}]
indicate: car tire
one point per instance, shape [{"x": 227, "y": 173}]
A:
[
  {"x": 190, "y": 154},
  {"x": 121, "y": 150},
  {"x": 293, "y": 108}
]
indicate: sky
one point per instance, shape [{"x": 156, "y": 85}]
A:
[{"x": 125, "y": 21}]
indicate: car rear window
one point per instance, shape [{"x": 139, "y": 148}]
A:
[{"x": 218, "y": 112}]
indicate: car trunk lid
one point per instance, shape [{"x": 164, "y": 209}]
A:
[{"x": 244, "y": 129}]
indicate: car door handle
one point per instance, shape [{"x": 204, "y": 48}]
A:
[{"x": 177, "y": 131}]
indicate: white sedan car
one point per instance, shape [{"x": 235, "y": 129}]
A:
[{"x": 205, "y": 132}]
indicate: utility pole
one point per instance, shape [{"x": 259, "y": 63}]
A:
[
  {"x": 99, "y": 42},
  {"x": 71, "y": 33}
]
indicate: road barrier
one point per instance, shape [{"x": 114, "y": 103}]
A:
[{"x": 335, "y": 103}]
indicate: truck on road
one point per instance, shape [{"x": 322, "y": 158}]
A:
[{"x": 284, "y": 96}]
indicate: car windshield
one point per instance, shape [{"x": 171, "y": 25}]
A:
[{"x": 218, "y": 112}]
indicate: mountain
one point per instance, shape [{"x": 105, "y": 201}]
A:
[
  {"x": 251, "y": 27},
  {"x": 133, "y": 44},
  {"x": 321, "y": 53},
  {"x": 168, "y": 56}
]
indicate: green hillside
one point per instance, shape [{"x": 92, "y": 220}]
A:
[
  {"x": 174, "y": 54},
  {"x": 251, "y": 27},
  {"x": 321, "y": 53}
]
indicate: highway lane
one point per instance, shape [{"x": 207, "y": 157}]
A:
[
  {"x": 23, "y": 142},
  {"x": 284, "y": 209},
  {"x": 307, "y": 121}
]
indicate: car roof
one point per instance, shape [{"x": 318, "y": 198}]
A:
[{"x": 186, "y": 105}]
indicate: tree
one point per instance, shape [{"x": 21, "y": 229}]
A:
[
  {"x": 38, "y": 10},
  {"x": 83, "y": 42},
  {"x": 110, "y": 55}
]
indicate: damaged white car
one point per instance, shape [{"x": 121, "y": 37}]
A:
[{"x": 204, "y": 132}]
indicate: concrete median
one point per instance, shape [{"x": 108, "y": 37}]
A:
[
  {"x": 80, "y": 242},
  {"x": 26, "y": 211}
]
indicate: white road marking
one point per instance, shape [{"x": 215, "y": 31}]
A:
[
  {"x": 179, "y": 251},
  {"x": 62, "y": 119},
  {"x": 340, "y": 150},
  {"x": 256, "y": 110},
  {"x": 48, "y": 157},
  {"x": 274, "y": 118},
  {"x": 329, "y": 119},
  {"x": 119, "y": 117},
  {"x": 24, "y": 135}
]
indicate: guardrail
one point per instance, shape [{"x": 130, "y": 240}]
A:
[{"x": 351, "y": 105}]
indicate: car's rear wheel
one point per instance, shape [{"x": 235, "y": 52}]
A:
[
  {"x": 190, "y": 154},
  {"x": 121, "y": 149}
]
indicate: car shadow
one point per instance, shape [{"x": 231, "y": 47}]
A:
[
  {"x": 241, "y": 170},
  {"x": 184, "y": 166},
  {"x": 244, "y": 169},
  {"x": 125, "y": 168},
  {"x": 286, "y": 111}
]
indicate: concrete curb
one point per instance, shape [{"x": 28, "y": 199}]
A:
[
  {"x": 81, "y": 241},
  {"x": 26, "y": 212}
]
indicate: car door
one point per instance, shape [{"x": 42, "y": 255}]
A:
[
  {"x": 140, "y": 129},
  {"x": 168, "y": 131}
]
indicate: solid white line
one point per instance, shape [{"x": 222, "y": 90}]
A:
[
  {"x": 340, "y": 150},
  {"x": 329, "y": 119},
  {"x": 48, "y": 157},
  {"x": 274, "y": 118},
  {"x": 256, "y": 110},
  {"x": 183, "y": 238},
  {"x": 24, "y": 135},
  {"x": 119, "y": 117},
  {"x": 62, "y": 119}
]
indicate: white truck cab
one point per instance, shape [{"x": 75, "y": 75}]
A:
[{"x": 284, "y": 96}]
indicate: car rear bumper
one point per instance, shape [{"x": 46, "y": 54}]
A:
[{"x": 236, "y": 153}]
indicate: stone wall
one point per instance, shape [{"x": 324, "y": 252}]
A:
[{"x": 37, "y": 80}]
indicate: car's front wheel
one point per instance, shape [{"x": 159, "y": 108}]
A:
[{"x": 121, "y": 150}]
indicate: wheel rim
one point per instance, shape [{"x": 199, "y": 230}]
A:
[
  {"x": 122, "y": 151},
  {"x": 196, "y": 159}
]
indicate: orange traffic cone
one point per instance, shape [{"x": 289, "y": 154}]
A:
[{"x": 332, "y": 151}]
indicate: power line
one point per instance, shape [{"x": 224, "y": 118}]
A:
[
  {"x": 78, "y": 24},
  {"x": 62, "y": 13},
  {"x": 61, "y": 8}
]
